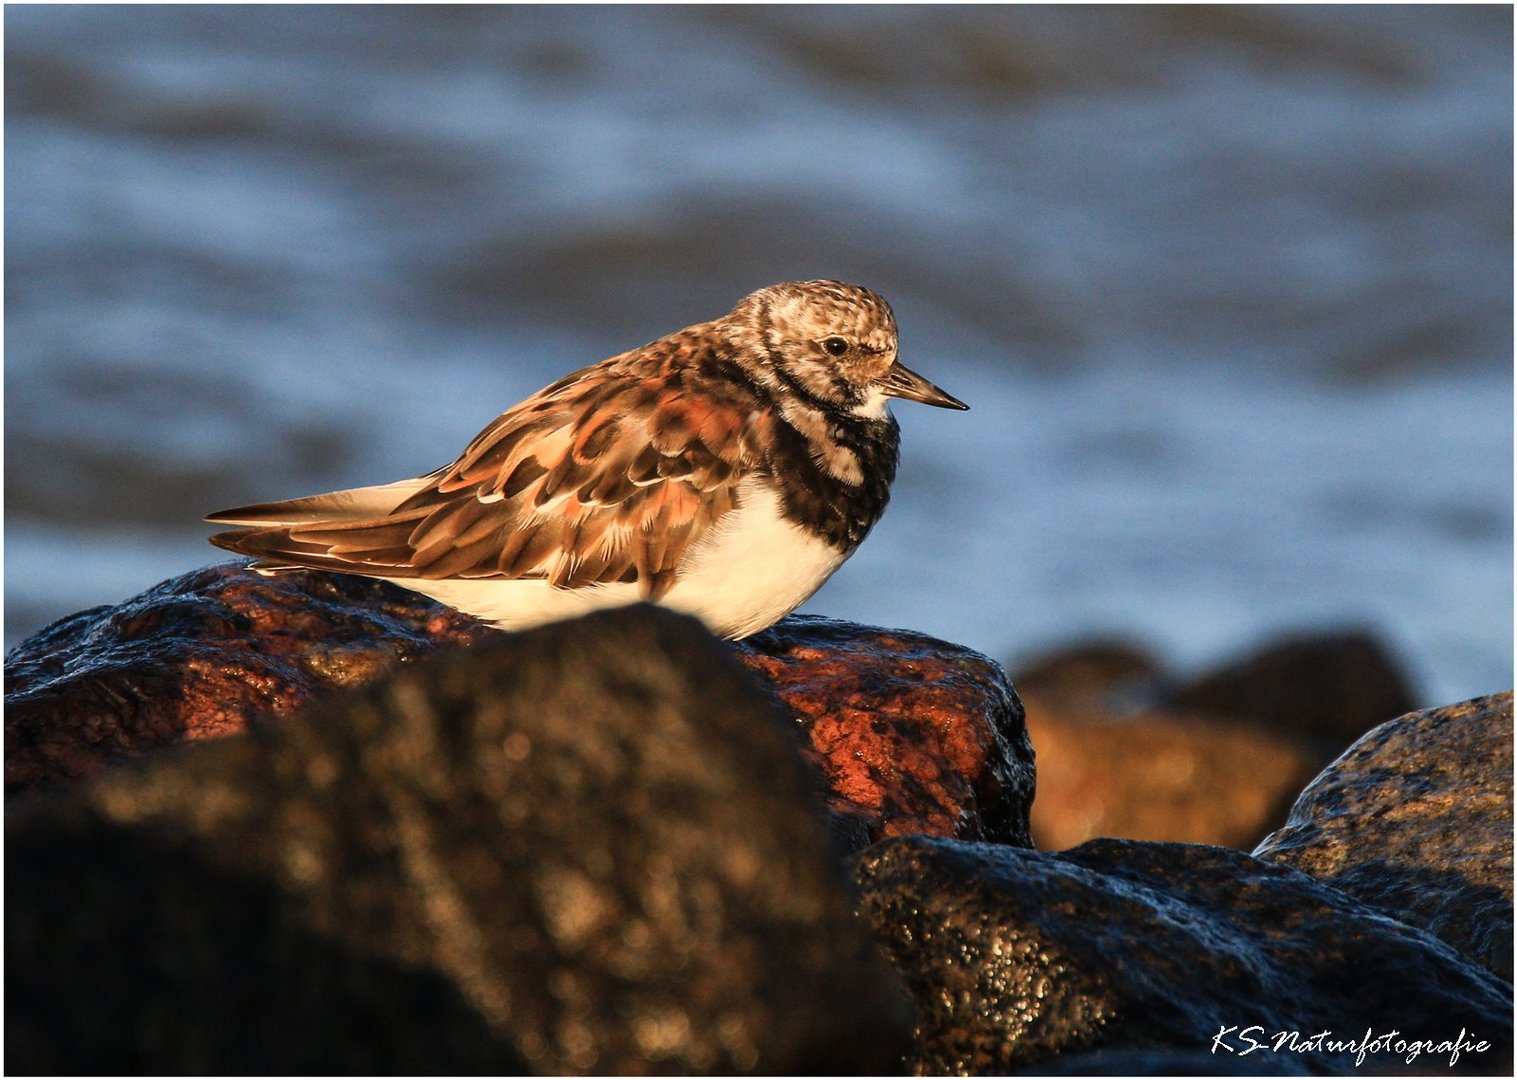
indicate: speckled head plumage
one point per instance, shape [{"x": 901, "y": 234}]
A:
[
  {"x": 726, "y": 470},
  {"x": 828, "y": 341}
]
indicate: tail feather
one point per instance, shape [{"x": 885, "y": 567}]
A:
[
  {"x": 273, "y": 545},
  {"x": 285, "y": 548},
  {"x": 353, "y": 504}
]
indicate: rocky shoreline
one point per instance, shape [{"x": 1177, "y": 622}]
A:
[{"x": 408, "y": 843}]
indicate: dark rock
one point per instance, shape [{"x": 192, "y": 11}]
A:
[
  {"x": 1016, "y": 956},
  {"x": 1158, "y": 776},
  {"x": 1416, "y": 820},
  {"x": 586, "y": 848},
  {"x": 1330, "y": 687},
  {"x": 130, "y": 953},
  {"x": 915, "y": 734}
]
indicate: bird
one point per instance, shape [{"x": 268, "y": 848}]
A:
[{"x": 725, "y": 471}]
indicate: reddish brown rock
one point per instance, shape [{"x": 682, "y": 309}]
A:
[
  {"x": 912, "y": 734},
  {"x": 201, "y": 656},
  {"x": 915, "y": 735}
]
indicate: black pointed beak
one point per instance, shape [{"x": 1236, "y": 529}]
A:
[{"x": 902, "y": 382}]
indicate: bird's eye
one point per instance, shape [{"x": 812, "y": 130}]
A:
[{"x": 835, "y": 345}]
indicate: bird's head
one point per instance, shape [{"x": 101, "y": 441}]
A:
[{"x": 831, "y": 343}]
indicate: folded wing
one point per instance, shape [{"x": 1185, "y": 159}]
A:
[{"x": 602, "y": 477}]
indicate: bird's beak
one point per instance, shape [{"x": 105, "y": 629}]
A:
[{"x": 902, "y": 382}]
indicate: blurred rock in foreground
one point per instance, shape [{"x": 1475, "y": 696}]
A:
[
  {"x": 587, "y": 848},
  {"x": 1017, "y": 956},
  {"x": 1416, "y": 820},
  {"x": 912, "y": 734},
  {"x": 1127, "y": 750}
]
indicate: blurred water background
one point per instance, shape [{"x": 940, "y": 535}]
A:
[{"x": 1229, "y": 290}]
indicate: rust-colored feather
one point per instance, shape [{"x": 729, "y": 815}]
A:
[
  {"x": 522, "y": 474},
  {"x": 542, "y": 541},
  {"x": 448, "y": 528}
]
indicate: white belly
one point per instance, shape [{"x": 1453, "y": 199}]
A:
[{"x": 751, "y": 570}]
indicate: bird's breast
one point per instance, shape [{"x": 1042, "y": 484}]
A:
[{"x": 754, "y": 567}]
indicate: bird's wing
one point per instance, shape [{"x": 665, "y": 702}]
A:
[{"x": 606, "y": 476}]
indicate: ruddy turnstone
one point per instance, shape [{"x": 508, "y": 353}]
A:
[{"x": 725, "y": 471}]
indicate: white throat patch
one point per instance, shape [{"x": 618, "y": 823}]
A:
[{"x": 873, "y": 407}]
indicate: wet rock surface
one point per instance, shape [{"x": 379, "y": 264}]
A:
[
  {"x": 214, "y": 652},
  {"x": 1416, "y": 820},
  {"x": 1015, "y": 957},
  {"x": 590, "y": 847},
  {"x": 913, "y": 734}
]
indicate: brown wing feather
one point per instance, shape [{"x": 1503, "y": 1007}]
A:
[{"x": 608, "y": 475}]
